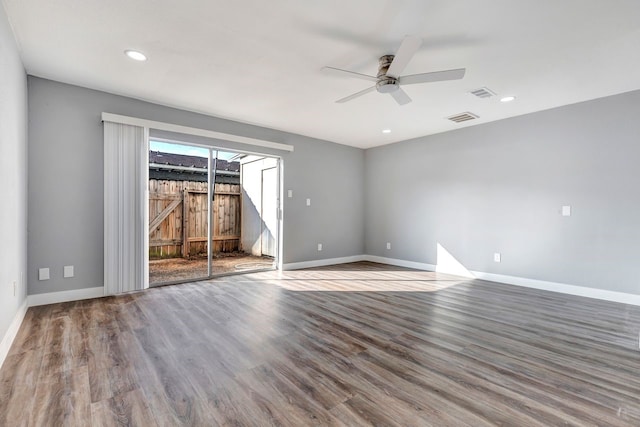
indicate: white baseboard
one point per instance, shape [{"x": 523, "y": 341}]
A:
[
  {"x": 11, "y": 333},
  {"x": 322, "y": 262},
  {"x": 563, "y": 288},
  {"x": 64, "y": 296}
]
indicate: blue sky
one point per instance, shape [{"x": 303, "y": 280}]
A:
[{"x": 189, "y": 150}]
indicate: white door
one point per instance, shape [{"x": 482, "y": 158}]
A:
[{"x": 269, "y": 211}]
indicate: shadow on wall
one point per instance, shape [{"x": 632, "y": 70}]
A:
[{"x": 252, "y": 236}]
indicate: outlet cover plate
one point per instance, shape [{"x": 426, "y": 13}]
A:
[
  {"x": 43, "y": 274},
  {"x": 68, "y": 271}
]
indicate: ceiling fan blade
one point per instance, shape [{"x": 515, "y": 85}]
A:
[
  {"x": 400, "y": 96},
  {"x": 407, "y": 49},
  {"x": 356, "y": 95},
  {"x": 436, "y": 76},
  {"x": 347, "y": 73}
]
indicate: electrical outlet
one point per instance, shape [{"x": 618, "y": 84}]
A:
[
  {"x": 388, "y": 245},
  {"x": 308, "y": 202},
  {"x": 319, "y": 246},
  {"x": 68, "y": 271},
  {"x": 289, "y": 193},
  {"x": 497, "y": 257},
  {"x": 43, "y": 274}
]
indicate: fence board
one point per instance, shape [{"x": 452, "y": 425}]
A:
[
  {"x": 164, "y": 214},
  {"x": 183, "y": 230}
]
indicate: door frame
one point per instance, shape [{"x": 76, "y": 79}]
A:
[
  {"x": 262, "y": 210},
  {"x": 210, "y": 187}
]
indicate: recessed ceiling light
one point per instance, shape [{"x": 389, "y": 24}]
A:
[
  {"x": 134, "y": 54},
  {"x": 507, "y": 99},
  {"x": 386, "y": 130}
]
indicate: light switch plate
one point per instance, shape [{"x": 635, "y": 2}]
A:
[
  {"x": 68, "y": 271},
  {"x": 43, "y": 274},
  {"x": 319, "y": 246},
  {"x": 308, "y": 202},
  {"x": 289, "y": 193},
  {"x": 566, "y": 211}
]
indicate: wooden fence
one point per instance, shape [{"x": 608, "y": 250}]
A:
[{"x": 178, "y": 218}]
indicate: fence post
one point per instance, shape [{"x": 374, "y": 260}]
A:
[{"x": 185, "y": 223}]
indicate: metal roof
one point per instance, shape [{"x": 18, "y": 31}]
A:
[{"x": 182, "y": 160}]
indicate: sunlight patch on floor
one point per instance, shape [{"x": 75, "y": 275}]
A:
[{"x": 345, "y": 280}]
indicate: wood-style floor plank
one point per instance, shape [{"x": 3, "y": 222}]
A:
[
  {"x": 347, "y": 345},
  {"x": 62, "y": 399},
  {"x": 129, "y": 408}
]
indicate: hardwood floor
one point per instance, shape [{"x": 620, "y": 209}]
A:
[{"x": 355, "y": 344}]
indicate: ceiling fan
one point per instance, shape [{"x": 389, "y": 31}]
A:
[{"x": 388, "y": 80}]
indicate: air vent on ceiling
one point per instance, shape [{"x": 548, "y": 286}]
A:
[
  {"x": 462, "y": 117},
  {"x": 483, "y": 92}
]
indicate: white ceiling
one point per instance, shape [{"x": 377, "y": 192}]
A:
[{"x": 259, "y": 62}]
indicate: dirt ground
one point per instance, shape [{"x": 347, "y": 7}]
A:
[{"x": 174, "y": 269}]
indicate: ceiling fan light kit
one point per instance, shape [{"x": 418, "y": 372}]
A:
[{"x": 388, "y": 79}]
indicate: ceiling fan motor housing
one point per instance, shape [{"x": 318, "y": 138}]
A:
[{"x": 386, "y": 84}]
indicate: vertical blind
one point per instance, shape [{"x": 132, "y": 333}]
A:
[{"x": 125, "y": 208}]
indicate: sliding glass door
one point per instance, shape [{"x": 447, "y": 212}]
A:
[
  {"x": 211, "y": 212},
  {"x": 178, "y": 212}
]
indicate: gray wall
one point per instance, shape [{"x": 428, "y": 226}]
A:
[
  {"x": 13, "y": 175},
  {"x": 66, "y": 179},
  {"x": 499, "y": 187},
  {"x": 490, "y": 188}
]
